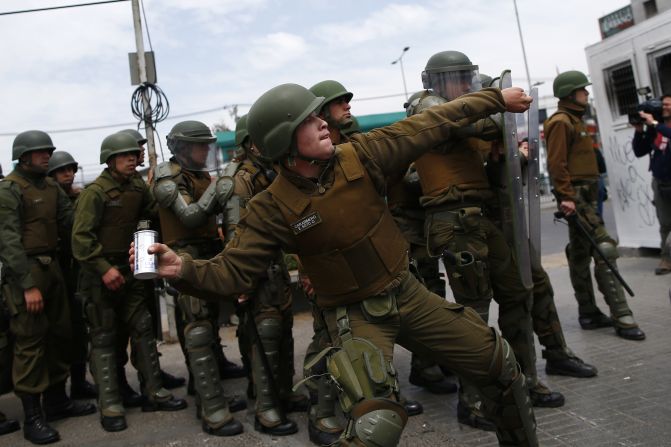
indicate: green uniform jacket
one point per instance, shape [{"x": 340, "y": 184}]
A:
[
  {"x": 13, "y": 255},
  {"x": 90, "y": 209},
  {"x": 384, "y": 153}
]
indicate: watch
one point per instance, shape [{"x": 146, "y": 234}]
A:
[{"x": 655, "y": 123}]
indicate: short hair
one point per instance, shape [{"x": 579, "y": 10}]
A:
[{"x": 665, "y": 95}]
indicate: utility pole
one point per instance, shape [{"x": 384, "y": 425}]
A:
[
  {"x": 142, "y": 67},
  {"x": 524, "y": 52},
  {"x": 399, "y": 60}
]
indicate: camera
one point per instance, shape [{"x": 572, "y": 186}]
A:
[{"x": 651, "y": 105}]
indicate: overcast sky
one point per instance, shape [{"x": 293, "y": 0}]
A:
[{"x": 68, "y": 68}]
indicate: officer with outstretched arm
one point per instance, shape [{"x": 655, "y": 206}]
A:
[{"x": 327, "y": 206}]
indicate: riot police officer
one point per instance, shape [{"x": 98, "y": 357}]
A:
[
  {"x": 107, "y": 214},
  {"x": 187, "y": 198},
  {"x": 358, "y": 263},
  {"x": 574, "y": 172},
  {"x": 455, "y": 192},
  {"x": 34, "y": 210},
  {"x": 62, "y": 168}
]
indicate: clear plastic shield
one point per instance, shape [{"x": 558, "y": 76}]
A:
[
  {"x": 198, "y": 156},
  {"x": 453, "y": 84}
]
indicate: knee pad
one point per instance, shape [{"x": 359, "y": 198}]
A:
[
  {"x": 198, "y": 335},
  {"x": 270, "y": 329},
  {"x": 142, "y": 324},
  {"x": 361, "y": 372},
  {"x": 377, "y": 422},
  {"x": 609, "y": 250}
]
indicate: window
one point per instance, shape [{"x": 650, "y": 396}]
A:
[
  {"x": 660, "y": 71},
  {"x": 650, "y": 7},
  {"x": 621, "y": 87}
]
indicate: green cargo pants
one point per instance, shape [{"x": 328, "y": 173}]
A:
[{"x": 41, "y": 341}]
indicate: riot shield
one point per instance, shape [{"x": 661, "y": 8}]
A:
[
  {"x": 533, "y": 182},
  {"x": 515, "y": 191}
]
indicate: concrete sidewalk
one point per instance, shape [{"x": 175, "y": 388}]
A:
[{"x": 628, "y": 403}]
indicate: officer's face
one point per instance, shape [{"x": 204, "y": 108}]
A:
[
  {"x": 666, "y": 108},
  {"x": 312, "y": 138},
  {"x": 125, "y": 163},
  {"x": 39, "y": 160},
  {"x": 65, "y": 176},
  {"x": 199, "y": 153},
  {"x": 140, "y": 159},
  {"x": 339, "y": 109},
  {"x": 581, "y": 96}
]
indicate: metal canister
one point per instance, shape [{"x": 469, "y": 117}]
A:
[{"x": 146, "y": 265}]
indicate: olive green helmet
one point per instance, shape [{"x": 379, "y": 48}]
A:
[
  {"x": 241, "y": 133},
  {"x": 189, "y": 132},
  {"x": 412, "y": 102},
  {"x": 31, "y": 140},
  {"x": 137, "y": 135},
  {"x": 567, "y": 82},
  {"x": 274, "y": 117},
  {"x": 451, "y": 67},
  {"x": 486, "y": 80},
  {"x": 61, "y": 159},
  {"x": 117, "y": 143},
  {"x": 331, "y": 90}
]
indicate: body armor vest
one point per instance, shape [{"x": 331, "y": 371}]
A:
[
  {"x": 172, "y": 229},
  {"x": 456, "y": 163},
  {"x": 260, "y": 180},
  {"x": 581, "y": 158},
  {"x": 40, "y": 214},
  {"x": 123, "y": 207},
  {"x": 346, "y": 238}
]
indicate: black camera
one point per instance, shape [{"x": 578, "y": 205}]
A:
[{"x": 651, "y": 105}]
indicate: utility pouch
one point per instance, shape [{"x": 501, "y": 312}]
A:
[
  {"x": 379, "y": 307},
  {"x": 44, "y": 260},
  {"x": 469, "y": 218},
  {"x": 360, "y": 371}
]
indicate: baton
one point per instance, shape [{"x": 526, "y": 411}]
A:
[{"x": 576, "y": 220}]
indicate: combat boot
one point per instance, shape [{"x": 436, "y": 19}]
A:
[
  {"x": 35, "y": 427},
  {"x": 594, "y": 321},
  {"x": 412, "y": 407},
  {"x": 8, "y": 425},
  {"x": 171, "y": 382},
  {"x": 563, "y": 362},
  {"x": 432, "y": 379},
  {"x": 80, "y": 388},
  {"x": 323, "y": 426},
  {"x": 129, "y": 397},
  {"x": 627, "y": 328},
  {"x": 473, "y": 417},
  {"x": 57, "y": 404},
  {"x": 541, "y": 396}
]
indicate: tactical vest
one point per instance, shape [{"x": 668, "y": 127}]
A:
[
  {"x": 172, "y": 229},
  {"x": 40, "y": 214},
  {"x": 456, "y": 163},
  {"x": 581, "y": 158},
  {"x": 123, "y": 208},
  {"x": 347, "y": 240}
]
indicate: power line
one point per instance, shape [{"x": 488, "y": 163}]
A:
[{"x": 51, "y": 8}]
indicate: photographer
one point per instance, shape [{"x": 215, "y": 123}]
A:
[{"x": 652, "y": 137}]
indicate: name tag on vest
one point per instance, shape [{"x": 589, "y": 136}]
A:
[
  {"x": 308, "y": 221},
  {"x": 114, "y": 203}
]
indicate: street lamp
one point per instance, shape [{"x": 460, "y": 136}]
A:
[{"x": 400, "y": 61}]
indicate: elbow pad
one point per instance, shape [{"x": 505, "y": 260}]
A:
[{"x": 196, "y": 213}]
